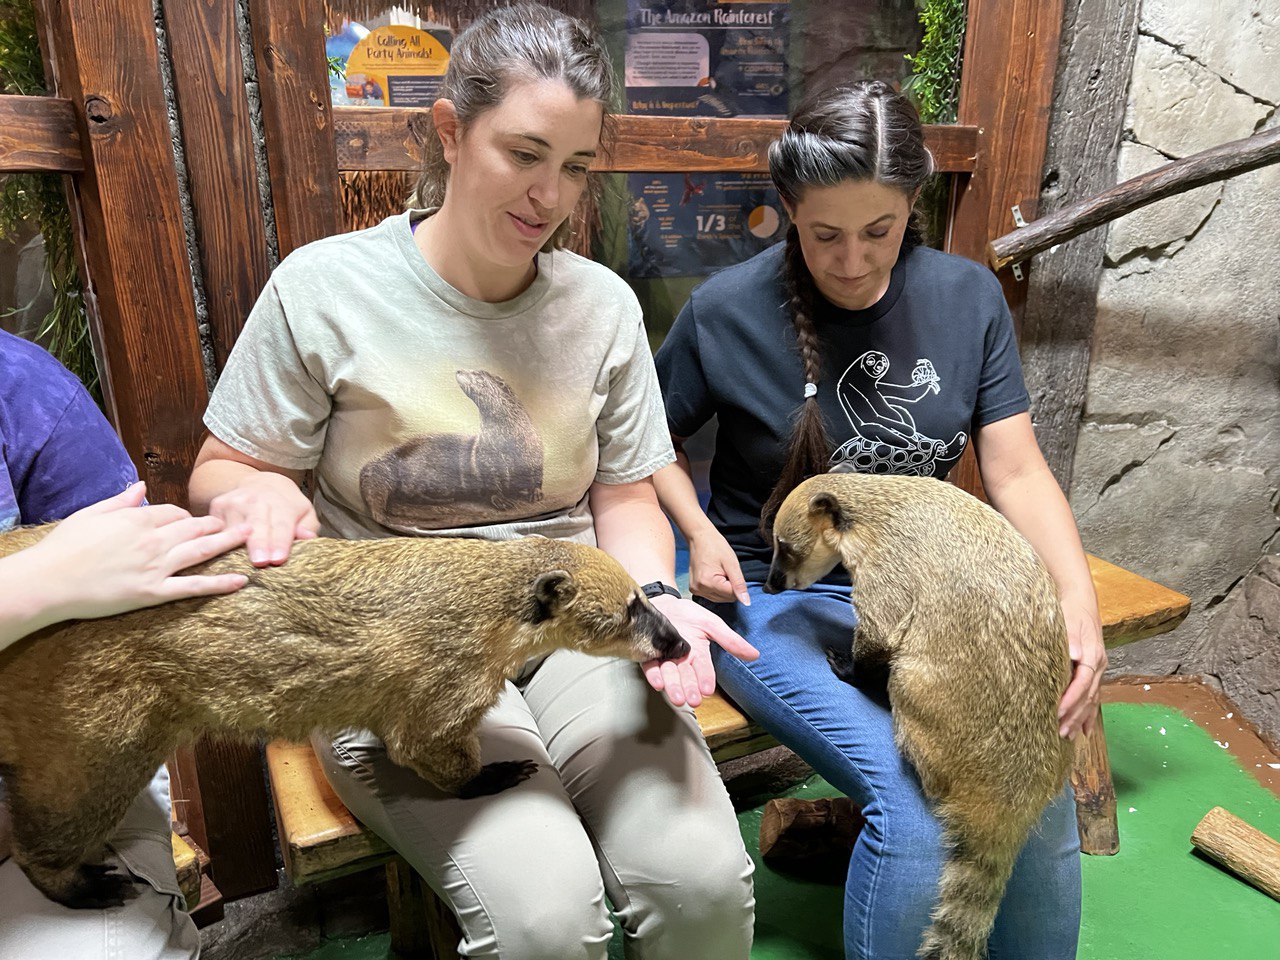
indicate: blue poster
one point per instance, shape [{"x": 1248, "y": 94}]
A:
[
  {"x": 723, "y": 58},
  {"x": 691, "y": 224}
]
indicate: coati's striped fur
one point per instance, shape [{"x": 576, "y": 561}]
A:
[{"x": 965, "y": 617}]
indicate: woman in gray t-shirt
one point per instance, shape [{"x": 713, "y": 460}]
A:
[{"x": 452, "y": 371}]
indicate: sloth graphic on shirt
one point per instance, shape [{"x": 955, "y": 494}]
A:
[{"x": 885, "y": 438}]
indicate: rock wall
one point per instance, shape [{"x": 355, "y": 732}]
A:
[{"x": 1178, "y": 458}]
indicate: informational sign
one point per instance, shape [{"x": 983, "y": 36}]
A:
[
  {"x": 688, "y": 225},
  {"x": 396, "y": 66},
  {"x": 722, "y": 58}
]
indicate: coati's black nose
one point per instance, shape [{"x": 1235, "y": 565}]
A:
[
  {"x": 665, "y": 638},
  {"x": 776, "y": 582}
]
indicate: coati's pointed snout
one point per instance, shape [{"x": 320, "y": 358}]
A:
[{"x": 653, "y": 627}]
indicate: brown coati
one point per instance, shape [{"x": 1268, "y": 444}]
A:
[
  {"x": 411, "y": 638},
  {"x": 960, "y": 611}
]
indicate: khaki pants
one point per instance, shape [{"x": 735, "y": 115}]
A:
[
  {"x": 153, "y": 925},
  {"x": 626, "y": 803}
]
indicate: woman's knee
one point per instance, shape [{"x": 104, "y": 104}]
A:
[{"x": 556, "y": 926}]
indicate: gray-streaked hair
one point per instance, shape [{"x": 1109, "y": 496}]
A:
[
  {"x": 506, "y": 46},
  {"x": 863, "y": 131}
]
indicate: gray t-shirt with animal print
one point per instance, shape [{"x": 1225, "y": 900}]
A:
[{"x": 424, "y": 412}]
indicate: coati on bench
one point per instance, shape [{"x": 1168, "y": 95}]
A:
[
  {"x": 411, "y": 638},
  {"x": 960, "y": 611}
]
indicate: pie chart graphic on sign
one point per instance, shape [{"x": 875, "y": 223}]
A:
[{"x": 763, "y": 221}]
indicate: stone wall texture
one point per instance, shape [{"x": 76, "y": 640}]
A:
[{"x": 1178, "y": 461}]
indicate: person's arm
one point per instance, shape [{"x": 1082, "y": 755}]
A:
[
  {"x": 631, "y": 528},
  {"x": 714, "y": 571},
  {"x": 109, "y": 558},
  {"x": 240, "y": 489},
  {"x": 1021, "y": 486}
]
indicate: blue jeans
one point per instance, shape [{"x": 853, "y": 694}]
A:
[{"x": 846, "y": 735}]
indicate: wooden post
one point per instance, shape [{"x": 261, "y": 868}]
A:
[
  {"x": 1006, "y": 90},
  {"x": 1244, "y": 850},
  {"x": 217, "y": 139},
  {"x": 104, "y": 59},
  {"x": 1095, "y": 795},
  {"x": 288, "y": 45},
  {"x": 421, "y": 925}
]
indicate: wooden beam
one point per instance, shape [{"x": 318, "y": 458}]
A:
[
  {"x": 1207, "y": 166},
  {"x": 1006, "y": 90},
  {"x": 388, "y": 138},
  {"x": 217, "y": 138},
  {"x": 293, "y": 84},
  {"x": 1062, "y": 293},
  {"x": 138, "y": 280},
  {"x": 39, "y": 135}
]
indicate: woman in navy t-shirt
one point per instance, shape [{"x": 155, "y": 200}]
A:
[{"x": 898, "y": 357}]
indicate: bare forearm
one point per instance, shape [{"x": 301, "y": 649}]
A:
[
  {"x": 1034, "y": 504},
  {"x": 676, "y": 493},
  {"x": 631, "y": 528},
  {"x": 27, "y": 599}
]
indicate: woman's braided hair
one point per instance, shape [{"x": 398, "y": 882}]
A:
[{"x": 864, "y": 131}]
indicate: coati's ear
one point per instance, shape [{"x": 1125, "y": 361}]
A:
[
  {"x": 826, "y": 505},
  {"x": 551, "y": 592}
]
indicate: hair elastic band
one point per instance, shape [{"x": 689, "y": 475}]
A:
[{"x": 810, "y": 389}]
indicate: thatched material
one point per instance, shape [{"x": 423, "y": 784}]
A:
[
  {"x": 455, "y": 13},
  {"x": 369, "y": 197}
]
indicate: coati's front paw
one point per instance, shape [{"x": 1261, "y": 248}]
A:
[
  {"x": 496, "y": 777},
  {"x": 95, "y": 886},
  {"x": 841, "y": 662}
]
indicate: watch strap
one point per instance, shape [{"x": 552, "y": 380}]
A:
[{"x": 658, "y": 588}]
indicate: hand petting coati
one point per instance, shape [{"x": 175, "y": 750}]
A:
[
  {"x": 960, "y": 611},
  {"x": 411, "y": 638}
]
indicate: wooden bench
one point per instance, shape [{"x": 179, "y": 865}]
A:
[{"x": 320, "y": 839}]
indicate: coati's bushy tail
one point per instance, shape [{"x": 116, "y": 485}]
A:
[{"x": 971, "y": 887}]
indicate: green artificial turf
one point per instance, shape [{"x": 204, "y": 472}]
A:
[{"x": 1155, "y": 900}]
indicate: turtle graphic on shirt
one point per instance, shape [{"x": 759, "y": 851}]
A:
[
  {"x": 885, "y": 438},
  {"x": 439, "y": 480}
]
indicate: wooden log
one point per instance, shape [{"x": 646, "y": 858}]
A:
[
  {"x": 810, "y": 838},
  {"x": 1241, "y": 849},
  {"x": 1217, "y": 163},
  {"x": 1006, "y": 90},
  {"x": 1095, "y": 795},
  {"x": 39, "y": 135},
  {"x": 388, "y": 138}
]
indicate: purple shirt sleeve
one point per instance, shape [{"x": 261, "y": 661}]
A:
[{"x": 59, "y": 452}]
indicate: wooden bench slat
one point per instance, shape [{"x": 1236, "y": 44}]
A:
[
  {"x": 1132, "y": 606},
  {"x": 187, "y": 865}
]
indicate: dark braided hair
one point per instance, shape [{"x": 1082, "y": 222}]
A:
[{"x": 864, "y": 131}]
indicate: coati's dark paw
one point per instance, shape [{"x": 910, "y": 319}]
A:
[
  {"x": 496, "y": 777},
  {"x": 98, "y": 886},
  {"x": 841, "y": 662}
]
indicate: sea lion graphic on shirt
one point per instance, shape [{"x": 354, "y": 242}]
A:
[
  {"x": 885, "y": 438},
  {"x": 451, "y": 479}
]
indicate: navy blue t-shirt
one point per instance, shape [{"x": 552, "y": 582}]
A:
[{"x": 905, "y": 382}]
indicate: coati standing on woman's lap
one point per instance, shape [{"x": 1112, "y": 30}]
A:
[
  {"x": 960, "y": 610},
  {"x": 411, "y": 638}
]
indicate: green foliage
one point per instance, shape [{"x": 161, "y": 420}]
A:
[
  {"x": 935, "y": 80},
  {"x": 39, "y": 199}
]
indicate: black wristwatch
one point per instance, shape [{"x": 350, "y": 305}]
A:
[{"x": 658, "y": 588}]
